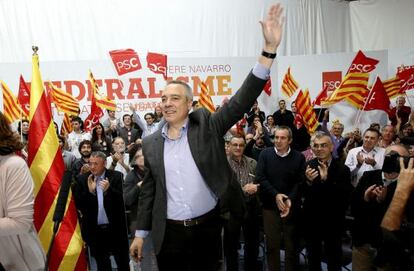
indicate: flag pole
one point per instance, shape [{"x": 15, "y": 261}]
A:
[
  {"x": 21, "y": 123},
  {"x": 358, "y": 119},
  {"x": 319, "y": 113}
]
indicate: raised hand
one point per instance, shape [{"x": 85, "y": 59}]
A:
[{"x": 272, "y": 28}]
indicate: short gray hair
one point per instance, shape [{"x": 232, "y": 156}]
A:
[
  {"x": 99, "y": 154},
  {"x": 319, "y": 135},
  {"x": 187, "y": 88},
  {"x": 283, "y": 127}
]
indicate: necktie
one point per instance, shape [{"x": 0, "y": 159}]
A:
[{"x": 102, "y": 218}]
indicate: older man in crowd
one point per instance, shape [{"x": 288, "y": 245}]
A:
[
  {"x": 367, "y": 157},
  {"x": 245, "y": 170}
]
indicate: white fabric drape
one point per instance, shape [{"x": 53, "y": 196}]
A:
[
  {"x": 80, "y": 30},
  {"x": 86, "y": 30},
  {"x": 382, "y": 24}
]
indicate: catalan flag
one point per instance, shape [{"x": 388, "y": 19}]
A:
[
  {"x": 353, "y": 84},
  {"x": 47, "y": 167},
  {"x": 392, "y": 86},
  {"x": 11, "y": 108},
  {"x": 64, "y": 101},
  {"x": 205, "y": 98},
  {"x": 66, "y": 127},
  {"x": 101, "y": 101},
  {"x": 305, "y": 109},
  {"x": 289, "y": 85}
]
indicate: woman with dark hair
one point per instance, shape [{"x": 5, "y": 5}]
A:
[
  {"x": 100, "y": 141},
  {"x": 158, "y": 113},
  {"x": 20, "y": 248},
  {"x": 23, "y": 129}
]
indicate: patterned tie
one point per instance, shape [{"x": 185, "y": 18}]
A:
[{"x": 102, "y": 218}]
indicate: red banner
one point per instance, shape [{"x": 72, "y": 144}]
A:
[
  {"x": 407, "y": 79},
  {"x": 24, "y": 96},
  {"x": 157, "y": 63},
  {"x": 361, "y": 63},
  {"x": 125, "y": 61}
]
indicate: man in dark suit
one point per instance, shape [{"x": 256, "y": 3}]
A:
[
  {"x": 189, "y": 182},
  {"x": 326, "y": 193},
  {"x": 99, "y": 200}
]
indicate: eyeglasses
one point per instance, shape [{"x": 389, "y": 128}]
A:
[
  {"x": 320, "y": 146},
  {"x": 237, "y": 145}
]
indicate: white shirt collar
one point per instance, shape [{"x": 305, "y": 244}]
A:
[{"x": 284, "y": 154}]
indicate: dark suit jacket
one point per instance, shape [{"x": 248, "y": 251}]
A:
[
  {"x": 205, "y": 137},
  {"x": 325, "y": 202},
  {"x": 135, "y": 134},
  {"x": 87, "y": 206},
  {"x": 368, "y": 215}
]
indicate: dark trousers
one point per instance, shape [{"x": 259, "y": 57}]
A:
[
  {"x": 191, "y": 248},
  {"x": 278, "y": 230},
  {"x": 108, "y": 241},
  {"x": 250, "y": 228},
  {"x": 332, "y": 242}
]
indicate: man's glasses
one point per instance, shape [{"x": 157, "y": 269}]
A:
[
  {"x": 237, "y": 145},
  {"x": 320, "y": 146}
]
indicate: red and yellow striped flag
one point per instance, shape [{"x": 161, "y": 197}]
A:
[
  {"x": 66, "y": 127},
  {"x": 289, "y": 85},
  {"x": 205, "y": 98},
  {"x": 47, "y": 167},
  {"x": 11, "y": 107},
  {"x": 305, "y": 109},
  {"x": 64, "y": 101},
  {"x": 353, "y": 88},
  {"x": 392, "y": 86},
  {"x": 101, "y": 100}
]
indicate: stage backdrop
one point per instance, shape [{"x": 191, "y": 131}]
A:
[{"x": 222, "y": 75}]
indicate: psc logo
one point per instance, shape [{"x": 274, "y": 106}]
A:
[
  {"x": 408, "y": 84},
  {"x": 361, "y": 67},
  {"x": 331, "y": 80},
  {"x": 125, "y": 61}
]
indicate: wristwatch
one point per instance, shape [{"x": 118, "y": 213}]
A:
[{"x": 268, "y": 55}]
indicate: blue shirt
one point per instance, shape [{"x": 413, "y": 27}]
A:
[
  {"x": 102, "y": 217},
  {"x": 188, "y": 195}
]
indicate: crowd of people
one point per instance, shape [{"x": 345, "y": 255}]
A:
[{"x": 182, "y": 177}]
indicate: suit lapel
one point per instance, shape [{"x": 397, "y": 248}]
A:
[
  {"x": 192, "y": 142},
  {"x": 158, "y": 148}
]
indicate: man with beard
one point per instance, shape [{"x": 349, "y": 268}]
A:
[{"x": 81, "y": 165}]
